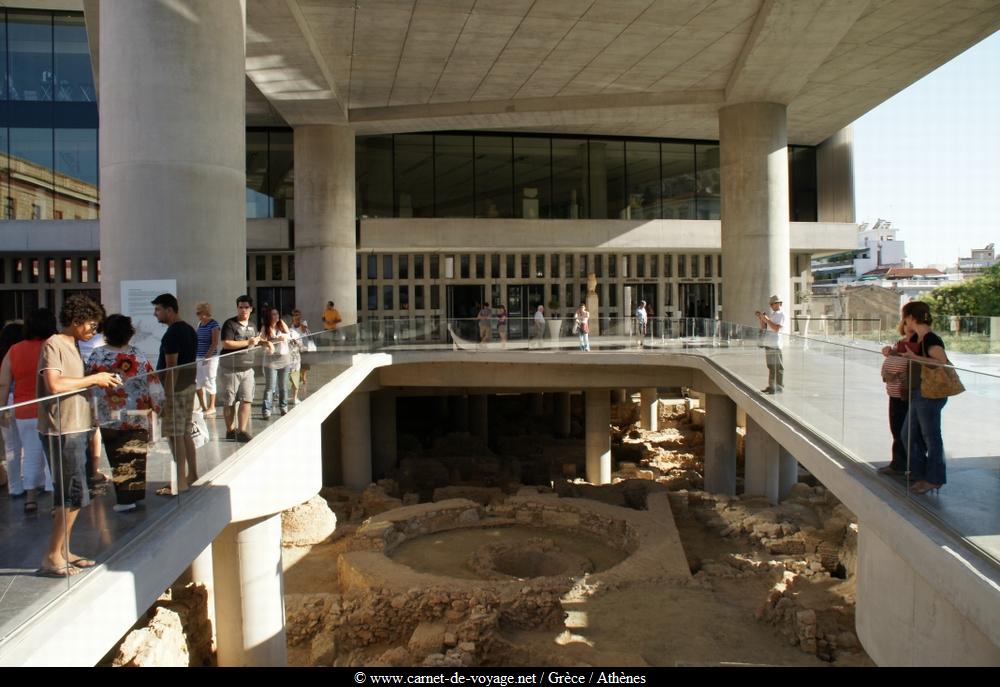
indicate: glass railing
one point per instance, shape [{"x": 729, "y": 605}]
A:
[{"x": 147, "y": 434}]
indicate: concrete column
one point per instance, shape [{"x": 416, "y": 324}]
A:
[
  {"x": 720, "y": 445},
  {"x": 788, "y": 473},
  {"x": 537, "y": 405},
  {"x": 458, "y": 410},
  {"x": 333, "y": 464},
  {"x": 172, "y": 153},
  {"x": 755, "y": 244},
  {"x": 356, "y": 441},
  {"x": 649, "y": 406},
  {"x": 548, "y": 404},
  {"x": 384, "y": 455},
  {"x": 598, "y": 436},
  {"x": 619, "y": 396},
  {"x": 479, "y": 420},
  {"x": 249, "y": 593},
  {"x": 325, "y": 246},
  {"x": 762, "y": 463},
  {"x": 563, "y": 416}
]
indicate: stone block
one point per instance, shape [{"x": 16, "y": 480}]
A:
[{"x": 427, "y": 638}]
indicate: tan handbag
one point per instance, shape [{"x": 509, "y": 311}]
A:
[{"x": 939, "y": 381}]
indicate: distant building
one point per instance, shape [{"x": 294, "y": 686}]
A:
[
  {"x": 877, "y": 247},
  {"x": 980, "y": 260}
]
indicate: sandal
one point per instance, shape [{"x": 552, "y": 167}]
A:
[
  {"x": 164, "y": 491},
  {"x": 64, "y": 571},
  {"x": 82, "y": 563},
  {"x": 30, "y": 506}
]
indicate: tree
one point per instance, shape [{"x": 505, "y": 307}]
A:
[{"x": 979, "y": 297}]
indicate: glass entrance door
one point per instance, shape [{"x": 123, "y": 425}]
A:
[{"x": 698, "y": 300}]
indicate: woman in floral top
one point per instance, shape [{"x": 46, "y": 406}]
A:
[{"x": 125, "y": 413}]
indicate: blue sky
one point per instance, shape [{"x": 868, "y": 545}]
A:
[{"x": 928, "y": 159}]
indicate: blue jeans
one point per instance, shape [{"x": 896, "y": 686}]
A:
[
  {"x": 922, "y": 434},
  {"x": 584, "y": 340},
  {"x": 276, "y": 380}
]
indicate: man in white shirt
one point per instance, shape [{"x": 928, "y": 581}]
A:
[
  {"x": 772, "y": 323},
  {"x": 641, "y": 320}
]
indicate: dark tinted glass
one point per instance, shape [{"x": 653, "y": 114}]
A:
[
  {"x": 678, "y": 183},
  {"x": 607, "y": 179},
  {"x": 802, "y": 184},
  {"x": 73, "y": 79},
  {"x": 31, "y": 173},
  {"x": 452, "y": 176},
  {"x": 643, "y": 162},
  {"x": 257, "y": 199},
  {"x": 708, "y": 181},
  {"x": 414, "y": 176},
  {"x": 532, "y": 178},
  {"x": 373, "y": 160},
  {"x": 569, "y": 179},
  {"x": 281, "y": 173},
  {"x": 494, "y": 176},
  {"x": 76, "y": 173},
  {"x": 29, "y": 51}
]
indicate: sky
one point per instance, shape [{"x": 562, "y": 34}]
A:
[{"x": 928, "y": 159}]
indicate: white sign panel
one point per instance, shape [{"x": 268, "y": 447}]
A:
[{"x": 136, "y": 297}]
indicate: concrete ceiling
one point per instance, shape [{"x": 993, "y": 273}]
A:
[{"x": 617, "y": 67}]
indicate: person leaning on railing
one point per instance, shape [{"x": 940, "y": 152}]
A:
[{"x": 895, "y": 370}]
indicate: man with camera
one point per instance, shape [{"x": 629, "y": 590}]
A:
[{"x": 772, "y": 323}]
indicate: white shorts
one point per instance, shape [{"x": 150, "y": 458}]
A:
[{"x": 205, "y": 378}]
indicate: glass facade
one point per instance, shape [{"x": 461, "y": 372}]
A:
[
  {"x": 270, "y": 190},
  {"x": 531, "y": 176}
]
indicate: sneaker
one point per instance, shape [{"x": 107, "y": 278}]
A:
[
  {"x": 284, "y": 411},
  {"x": 243, "y": 437},
  {"x": 231, "y": 435},
  {"x": 123, "y": 507},
  {"x": 767, "y": 390},
  {"x": 266, "y": 415}
]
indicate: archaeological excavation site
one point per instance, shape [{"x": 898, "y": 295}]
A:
[{"x": 489, "y": 548}]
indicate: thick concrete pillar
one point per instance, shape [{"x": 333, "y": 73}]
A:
[
  {"x": 356, "y": 441},
  {"x": 720, "y": 445},
  {"x": 384, "y": 455},
  {"x": 249, "y": 593},
  {"x": 762, "y": 463},
  {"x": 563, "y": 416},
  {"x": 458, "y": 411},
  {"x": 325, "y": 246},
  {"x": 598, "y": 436},
  {"x": 649, "y": 409},
  {"x": 537, "y": 405},
  {"x": 788, "y": 473},
  {"x": 619, "y": 396},
  {"x": 172, "y": 151},
  {"x": 479, "y": 420},
  {"x": 755, "y": 245}
]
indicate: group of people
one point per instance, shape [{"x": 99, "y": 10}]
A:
[
  {"x": 914, "y": 420},
  {"x": 486, "y": 319},
  {"x": 118, "y": 400}
]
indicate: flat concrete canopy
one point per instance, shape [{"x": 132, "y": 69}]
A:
[{"x": 617, "y": 67}]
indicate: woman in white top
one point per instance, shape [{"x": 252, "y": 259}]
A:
[
  {"x": 276, "y": 363},
  {"x": 581, "y": 325}
]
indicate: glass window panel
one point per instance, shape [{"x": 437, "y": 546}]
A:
[
  {"x": 387, "y": 298},
  {"x": 643, "y": 162},
  {"x": 372, "y": 298},
  {"x": 694, "y": 266},
  {"x": 640, "y": 266},
  {"x": 260, "y": 268},
  {"x": 372, "y": 267},
  {"x": 607, "y": 179},
  {"x": 291, "y": 268},
  {"x": 802, "y": 183},
  {"x": 494, "y": 176},
  {"x": 387, "y": 267},
  {"x": 612, "y": 265},
  {"x": 73, "y": 81},
  {"x": 708, "y": 181},
  {"x": 540, "y": 266},
  {"x": 357, "y": 267},
  {"x": 654, "y": 266},
  {"x": 29, "y": 51},
  {"x": 404, "y": 266},
  {"x": 404, "y": 297},
  {"x": 452, "y": 176},
  {"x": 668, "y": 266},
  {"x": 568, "y": 302},
  {"x": 418, "y": 297},
  {"x": 569, "y": 179},
  {"x": 373, "y": 176},
  {"x": 414, "y": 175},
  {"x": 435, "y": 266},
  {"x": 3, "y": 61},
  {"x": 708, "y": 265},
  {"x": 276, "y": 268},
  {"x": 31, "y": 176},
  {"x": 554, "y": 266},
  {"x": 18, "y": 271},
  {"x": 568, "y": 272},
  {"x": 33, "y": 271},
  {"x": 435, "y": 297},
  {"x": 495, "y": 266},
  {"x": 612, "y": 296},
  {"x": 480, "y": 266},
  {"x": 76, "y": 173},
  {"x": 258, "y": 201},
  {"x": 678, "y": 183},
  {"x": 510, "y": 267},
  {"x": 418, "y": 266},
  {"x": 281, "y": 173},
  {"x": 682, "y": 266},
  {"x": 532, "y": 178},
  {"x": 50, "y": 270},
  {"x": 67, "y": 270},
  {"x": 583, "y": 266},
  {"x": 525, "y": 266}
]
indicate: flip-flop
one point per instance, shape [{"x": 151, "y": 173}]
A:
[
  {"x": 82, "y": 563},
  {"x": 164, "y": 491},
  {"x": 67, "y": 571}
]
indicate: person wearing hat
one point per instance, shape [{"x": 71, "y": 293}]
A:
[{"x": 772, "y": 324}]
